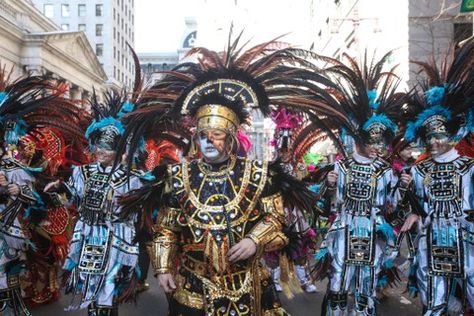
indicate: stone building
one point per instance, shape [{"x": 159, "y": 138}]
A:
[
  {"x": 30, "y": 42},
  {"x": 108, "y": 24}
]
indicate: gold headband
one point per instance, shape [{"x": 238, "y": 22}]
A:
[
  {"x": 229, "y": 88},
  {"x": 216, "y": 116},
  {"x": 435, "y": 124}
]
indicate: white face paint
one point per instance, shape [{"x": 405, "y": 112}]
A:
[
  {"x": 439, "y": 144},
  {"x": 208, "y": 150},
  {"x": 211, "y": 144}
]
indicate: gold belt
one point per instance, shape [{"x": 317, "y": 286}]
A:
[{"x": 210, "y": 288}]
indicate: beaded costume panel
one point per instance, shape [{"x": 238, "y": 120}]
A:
[{"x": 218, "y": 208}]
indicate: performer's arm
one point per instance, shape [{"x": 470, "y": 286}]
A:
[
  {"x": 74, "y": 187},
  {"x": 163, "y": 248},
  {"x": 267, "y": 233},
  {"x": 24, "y": 182}
]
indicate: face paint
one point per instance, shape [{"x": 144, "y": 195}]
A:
[
  {"x": 104, "y": 156},
  {"x": 439, "y": 144},
  {"x": 211, "y": 144},
  {"x": 371, "y": 151}
]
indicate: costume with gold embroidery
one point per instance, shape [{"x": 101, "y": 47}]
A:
[{"x": 206, "y": 208}]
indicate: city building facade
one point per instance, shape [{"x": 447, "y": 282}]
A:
[
  {"x": 31, "y": 43},
  {"x": 413, "y": 29},
  {"x": 109, "y": 26}
]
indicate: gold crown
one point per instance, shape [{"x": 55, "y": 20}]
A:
[{"x": 216, "y": 116}]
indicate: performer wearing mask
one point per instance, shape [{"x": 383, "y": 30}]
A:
[
  {"x": 25, "y": 104},
  {"x": 103, "y": 252},
  {"x": 219, "y": 213},
  {"x": 443, "y": 184},
  {"x": 364, "y": 108}
]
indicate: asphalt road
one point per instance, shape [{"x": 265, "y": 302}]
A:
[{"x": 153, "y": 303}]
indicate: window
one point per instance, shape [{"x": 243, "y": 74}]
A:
[
  {"x": 115, "y": 72},
  {"x": 81, "y": 10},
  {"x": 99, "y": 29},
  {"x": 99, "y": 10},
  {"x": 114, "y": 14},
  {"x": 82, "y": 27},
  {"x": 99, "y": 49},
  {"x": 115, "y": 52},
  {"x": 65, "y": 10},
  {"x": 65, "y": 27},
  {"x": 115, "y": 31},
  {"x": 48, "y": 10}
]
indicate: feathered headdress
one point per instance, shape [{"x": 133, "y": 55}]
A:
[
  {"x": 31, "y": 103},
  {"x": 443, "y": 99},
  {"x": 107, "y": 128},
  {"x": 347, "y": 102},
  {"x": 364, "y": 96},
  {"x": 221, "y": 90}
]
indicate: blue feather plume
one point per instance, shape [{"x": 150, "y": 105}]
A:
[
  {"x": 108, "y": 121},
  {"x": 412, "y": 127},
  {"x": 382, "y": 119},
  {"x": 3, "y": 97}
]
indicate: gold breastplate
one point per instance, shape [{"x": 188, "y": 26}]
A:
[{"x": 218, "y": 208}]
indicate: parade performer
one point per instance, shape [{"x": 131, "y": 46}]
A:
[
  {"x": 401, "y": 158},
  {"x": 54, "y": 152},
  {"x": 298, "y": 252},
  {"x": 25, "y": 104},
  {"x": 443, "y": 184},
  {"x": 103, "y": 252},
  {"x": 220, "y": 212},
  {"x": 364, "y": 107}
]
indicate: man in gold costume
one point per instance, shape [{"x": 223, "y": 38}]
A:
[{"x": 219, "y": 213}]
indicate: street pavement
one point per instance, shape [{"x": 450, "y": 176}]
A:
[{"x": 153, "y": 303}]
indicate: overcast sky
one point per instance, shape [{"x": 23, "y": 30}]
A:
[{"x": 159, "y": 25}]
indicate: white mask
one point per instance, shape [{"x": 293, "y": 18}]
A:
[{"x": 208, "y": 150}]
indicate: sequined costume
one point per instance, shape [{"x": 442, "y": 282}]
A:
[
  {"x": 443, "y": 184},
  {"x": 444, "y": 187},
  {"x": 14, "y": 235},
  {"x": 361, "y": 118},
  {"x": 25, "y": 104},
  {"x": 211, "y": 210},
  {"x": 102, "y": 252},
  {"x": 358, "y": 237}
]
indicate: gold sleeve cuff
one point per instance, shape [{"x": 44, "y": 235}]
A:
[
  {"x": 164, "y": 247},
  {"x": 168, "y": 219},
  {"x": 273, "y": 205},
  {"x": 163, "y": 252},
  {"x": 267, "y": 234}
]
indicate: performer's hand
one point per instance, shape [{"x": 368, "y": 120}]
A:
[
  {"x": 405, "y": 180},
  {"x": 166, "y": 281},
  {"x": 3, "y": 180},
  {"x": 13, "y": 189},
  {"x": 242, "y": 250},
  {"x": 411, "y": 219},
  {"x": 332, "y": 178},
  {"x": 52, "y": 186}
]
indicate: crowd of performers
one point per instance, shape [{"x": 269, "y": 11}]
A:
[{"x": 164, "y": 173}]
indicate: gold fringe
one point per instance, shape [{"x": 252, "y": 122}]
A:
[{"x": 288, "y": 280}]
